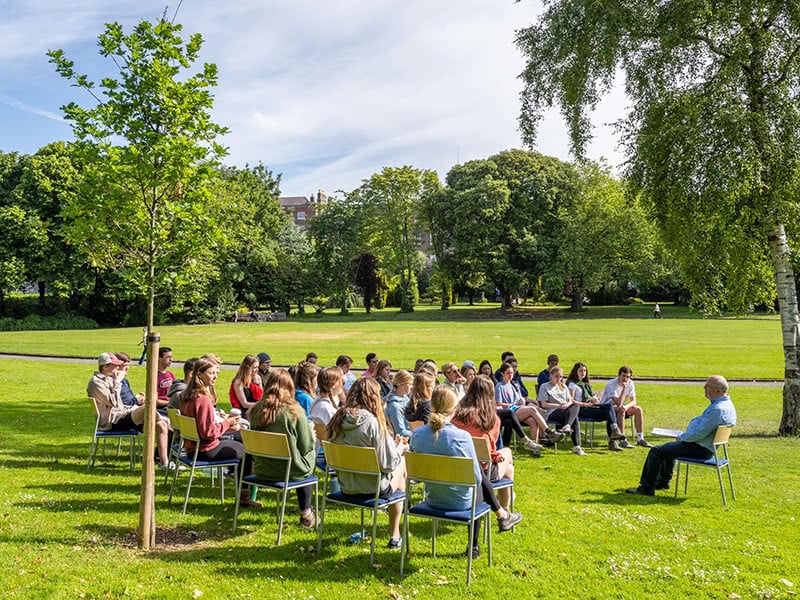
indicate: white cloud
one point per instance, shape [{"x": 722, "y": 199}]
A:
[{"x": 330, "y": 92}]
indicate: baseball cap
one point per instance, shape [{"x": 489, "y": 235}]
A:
[
  {"x": 468, "y": 363},
  {"x": 264, "y": 357},
  {"x": 108, "y": 358}
]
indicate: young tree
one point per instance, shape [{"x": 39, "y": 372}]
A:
[
  {"x": 148, "y": 147},
  {"x": 393, "y": 199},
  {"x": 713, "y": 135},
  {"x": 367, "y": 278}
]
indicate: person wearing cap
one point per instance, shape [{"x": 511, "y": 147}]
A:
[
  {"x": 264, "y": 364},
  {"x": 105, "y": 389},
  {"x": 454, "y": 380}
]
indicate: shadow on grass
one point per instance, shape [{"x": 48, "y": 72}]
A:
[{"x": 621, "y": 498}]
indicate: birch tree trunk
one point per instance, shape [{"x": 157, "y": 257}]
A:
[{"x": 787, "y": 305}]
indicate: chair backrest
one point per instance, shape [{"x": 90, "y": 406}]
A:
[
  {"x": 321, "y": 431},
  {"x": 188, "y": 428},
  {"x": 353, "y": 459},
  {"x": 482, "y": 449},
  {"x": 94, "y": 406},
  {"x": 723, "y": 434},
  {"x": 434, "y": 468},
  {"x": 266, "y": 444},
  {"x": 173, "y": 414}
]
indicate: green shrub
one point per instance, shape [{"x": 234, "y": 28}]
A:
[{"x": 36, "y": 322}]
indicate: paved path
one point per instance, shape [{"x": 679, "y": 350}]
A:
[{"x": 233, "y": 367}]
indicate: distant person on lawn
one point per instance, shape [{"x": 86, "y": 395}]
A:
[{"x": 696, "y": 442}]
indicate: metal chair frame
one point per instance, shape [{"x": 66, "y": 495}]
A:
[
  {"x": 445, "y": 470},
  {"x": 131, "y": 434},
  {"x": 188, "y": 429},
  {"x": 275, "y": 446},
  {"x": 721, "y": 438},
  {"x": 361, "y": 461}
]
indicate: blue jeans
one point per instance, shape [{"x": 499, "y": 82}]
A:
[
  {"x": 657, "y": 470},
  {"x": 600, "y": 412}
]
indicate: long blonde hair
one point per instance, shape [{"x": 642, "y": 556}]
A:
[
  {"x": 200, "y": 382},
  {"x": 443, "y": 403},
  {"x": 278, "y": 391},
  {"x": 245, "y": 372},
  {"x": 365, "y": 394}
]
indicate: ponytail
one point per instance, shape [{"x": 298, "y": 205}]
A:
[{"x": 443, "y": 403}]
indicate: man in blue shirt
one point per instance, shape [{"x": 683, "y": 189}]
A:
[
  {"x": 516, "y": 380},
  {"x": 696, "y": 442},
  {"x": 544, "y": 374}
]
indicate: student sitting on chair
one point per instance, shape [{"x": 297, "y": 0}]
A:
[
  {"x": 441, "y": 437},
  {"x": 360, "y": 422},
  {"x": 279, "y": 412}
]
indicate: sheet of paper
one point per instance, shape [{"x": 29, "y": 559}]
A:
[{"x": 673, "y": 433}]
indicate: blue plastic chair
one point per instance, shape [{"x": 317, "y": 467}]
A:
[
  {"x": 446, "y": 470},
  {"x": 131, "y": 434},
  {"x": 717, "y": 462},
  {"x": 274, "y": 446}
]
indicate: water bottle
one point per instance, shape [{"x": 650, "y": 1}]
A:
[{"x": 354, "y": 538}]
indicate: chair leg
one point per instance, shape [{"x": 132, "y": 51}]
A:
[
  {"x": 471, "y": 530},
  {"x": 677, "y": 478},
  {"x": 130, "y": 450},
  {"x": 433, "y": 537},
  {"x": 404, "y": 546},
  {"x": 489, "y": 529},
  {"x": 721, "y": 487},
  {"x": 374, "y": 534},
  {"x": 283, "y": 511},
  {"x": 238, "y": 500},
  {"x": 321, "y": 523},
  {"x": 92, "y": 452},
  {"x": 174, "y": 477},
  {"x": 119, "y": 446},
  {"x": 686, "y": 481},
  {"x": 730, "y": 481},
  {"x": 189, "y": 486}
]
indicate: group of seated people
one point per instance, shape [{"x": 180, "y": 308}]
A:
[{"x": 392, "y": 412}]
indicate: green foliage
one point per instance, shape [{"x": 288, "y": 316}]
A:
[
  {"x": 157, "y": 177},
  {"x": 394, "y": 202},
  {"x": 50, "y": 322},
  {"x": 403, "y": 295},
  {"x": 22, "y": 241}
]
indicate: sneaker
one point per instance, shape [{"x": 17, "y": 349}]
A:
[
  {"x": 640, "y": 491},
  {"x": 308, "y": 522},
  {"x": 566, "y": 429},
  {"x": 394, "y": 543},
  {"x": 578, "y": 450},
  {"x": 475, "y": 550},
  {"x": 553, "y": 436},
  {"x": 613, "y": 445},
  {"x": 624, "y": 443},
  {"x": 533, "y": 447},
  {"x": 512, "y": 520},
  {"x": 616, "y": 434},
  {"x": 644, "y": 443}
]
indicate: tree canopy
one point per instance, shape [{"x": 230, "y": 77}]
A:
[{"x": 712, "y": 135}]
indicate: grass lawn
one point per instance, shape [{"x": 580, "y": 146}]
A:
[
  {"x": 681, "y": 345},
  {"x": 66, "y": 533}
]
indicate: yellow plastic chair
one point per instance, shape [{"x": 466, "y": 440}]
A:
[
  {"x": 188, "y": 429},
  {"x": 362, "y": 461},
  {"x": 717, "y": 462},
  {"x": 275, "y": 446},
  {"x": 98, "y": 434},
  {"x": 483, "y": 451},
  {"x": 445, "y": 470}
]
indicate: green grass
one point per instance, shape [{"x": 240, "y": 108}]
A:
[
  {"x": 680, "y": 345},
  {"x": 66, "y": 533}
]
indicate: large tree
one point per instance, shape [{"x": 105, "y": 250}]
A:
[
  {"x": 712, "y": 136},
  {"x": 393, "y": 199},
  {"x": 148, "y": 147}
]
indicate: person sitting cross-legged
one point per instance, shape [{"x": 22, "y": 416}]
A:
[
  {"x": 556, "y": 398},
  {"x": 590, "y": 408}
]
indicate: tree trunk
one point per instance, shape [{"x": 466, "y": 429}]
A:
[
  {"x": 577, "y": 300},
  {"x": 790, "y": 328},
  {"x": 42, "y": 292}
]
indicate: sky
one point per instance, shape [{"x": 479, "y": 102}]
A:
[{"x": 324, "y": 93}]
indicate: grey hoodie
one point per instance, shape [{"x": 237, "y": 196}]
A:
[{"x": 362, "y": 429}]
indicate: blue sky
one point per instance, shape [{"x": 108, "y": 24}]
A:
[{"x": 325, "y": 93}]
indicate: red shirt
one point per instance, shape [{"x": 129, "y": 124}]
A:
[
  {"x": 491, "y": 435},
  {"x": 207, "y": 428},
  {"x": 252, "y": 394},
  {"x": 164, "y": 382}
]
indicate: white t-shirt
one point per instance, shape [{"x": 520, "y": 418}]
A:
[{"x": 614, "y": 389}]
